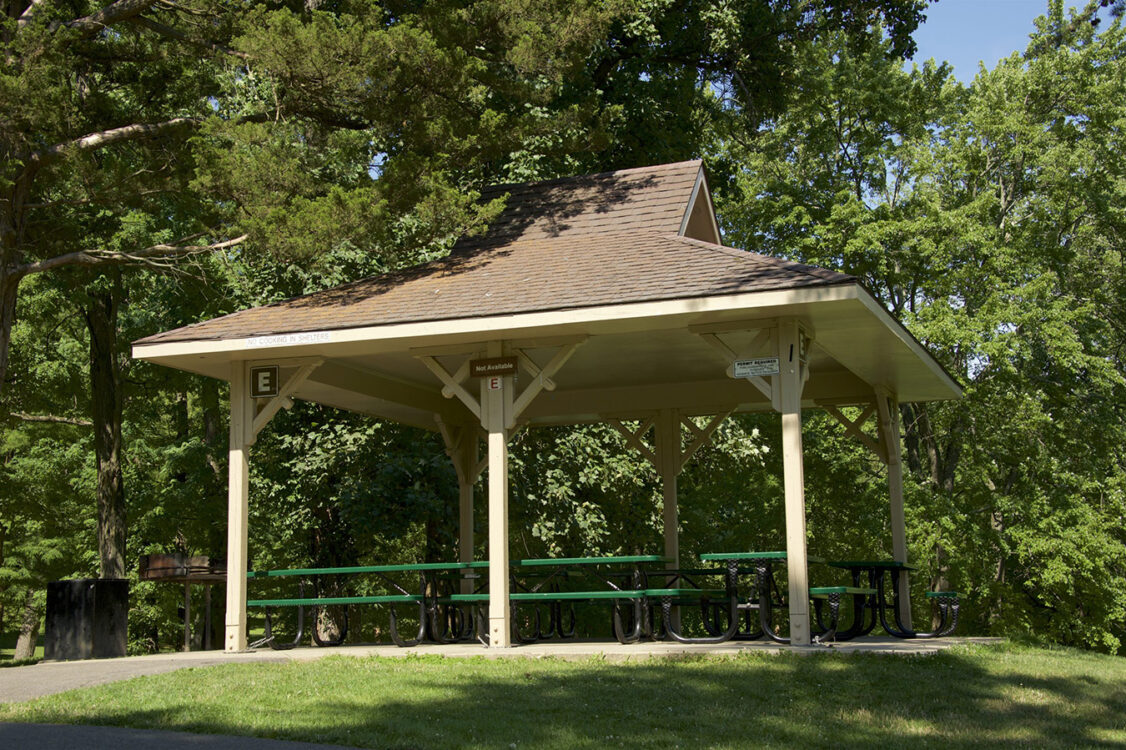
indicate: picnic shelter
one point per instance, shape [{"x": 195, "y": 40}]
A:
[{"x": 602, "y": 298}]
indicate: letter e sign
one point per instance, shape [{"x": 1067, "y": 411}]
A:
[
  {"x": 495, "y": 383},
  {"x": 264, "y": 381}
]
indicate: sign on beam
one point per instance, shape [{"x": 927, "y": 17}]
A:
[
  {"x": 264, "y": 381},
  {"x": 484, "y": 368},
  {"x": 750, "y": 368}
]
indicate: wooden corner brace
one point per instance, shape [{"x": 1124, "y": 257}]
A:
[
  {"x": 766, "y": 387},
  {"x": 283, "y": 400},
  {"x": 700, "y": 437},
  {"x": 452, "y": 384},
  {"x": 541, "y": 378},
  {"x": 853, "y": 428}
]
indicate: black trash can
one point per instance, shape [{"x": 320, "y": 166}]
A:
[{"x": 87, "y": 618}]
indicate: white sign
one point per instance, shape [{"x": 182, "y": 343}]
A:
[
  {"x": 749, "y": 368},
  {"x": 494, "y": 383},
  {"x": 290, "y": 339}
]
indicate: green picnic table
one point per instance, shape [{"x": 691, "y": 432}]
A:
[
  {"x": 879, "y": 571},
  {"x": 765, "y": 596}
]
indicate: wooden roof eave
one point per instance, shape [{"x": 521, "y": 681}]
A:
[{"x": 368, "y": 392}]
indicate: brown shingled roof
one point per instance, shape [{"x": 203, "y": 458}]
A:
[
  {"x": 583, "y": 242},
  {"x": 646, "y": 198}
]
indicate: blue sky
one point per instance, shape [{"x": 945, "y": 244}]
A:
[{"x": 962, "y": 32}]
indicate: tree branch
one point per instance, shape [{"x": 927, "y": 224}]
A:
[
  {"x": 93, "y": 141},
  {"x": 51, "y": 418},
  {"x": 108, "y": 200},
  {"x": 180, "y": 36},
  {"x": 156, "y": 255},
  {"x": 122, "y": 10},
  {"x": 29, "y": 13}
]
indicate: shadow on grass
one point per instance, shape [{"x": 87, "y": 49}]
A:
[{"x": 952, "y": 700}]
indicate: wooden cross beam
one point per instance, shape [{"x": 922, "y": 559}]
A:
[
  {"x": 452, "y": 383},
  {"x": 700, "y": 437},
  {"x": 762, "y": 384}
]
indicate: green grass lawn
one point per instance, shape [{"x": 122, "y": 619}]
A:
[{"x": 1008, "y": 696}]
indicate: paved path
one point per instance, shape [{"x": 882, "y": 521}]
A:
[
  {"x": 60, "y": 737},
  {"x": 35, "y": 680},
  {"x": 45, "y": 678}
]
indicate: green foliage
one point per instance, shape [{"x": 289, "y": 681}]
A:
[
  {"x": 989, "y": 218},
  {"x": 347, "y": 139}
]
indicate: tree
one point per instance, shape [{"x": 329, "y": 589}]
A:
[
  {"x": 150, "y": 134},
  {"x": 46, "y": 527},
  {"x": 987, "y": 219}
]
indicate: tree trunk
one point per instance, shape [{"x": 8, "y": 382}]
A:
[
  {"x": 9, "y": 287},
  {"x": 213, "y": 435},
  {"x": 3, "y": 588},
  {"x": 939, "y": 581},
  {"x": 105, "y": 407},
  {"x": 29, "y": 628}
]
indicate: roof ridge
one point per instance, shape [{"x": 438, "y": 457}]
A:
[
  {"x": 595, "y": 175},
  {"x": 817, "y": 272}
]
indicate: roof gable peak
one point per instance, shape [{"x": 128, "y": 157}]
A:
[{"x": 699, "y": 222}]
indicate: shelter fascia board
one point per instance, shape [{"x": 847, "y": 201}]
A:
[
  {"x": 901, "y": 333},
  {"x": 605, "y": 318}
]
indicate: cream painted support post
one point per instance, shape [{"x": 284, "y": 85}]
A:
[
  {"x": 668, "y": 463},
  {"x": 461, "y": 447},
  {"x": 466, "y": 479},
  {"x": 493, "y": 403},
  {"x": 888, "y": 406},
  {"x": 238, "y": 492},
  {"x": 791, "y": 381}
]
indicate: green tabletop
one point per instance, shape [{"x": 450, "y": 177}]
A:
[
  {"x": 412, "y": 568},
  {"x": 478, "y": 564},
  {"x": 885, "y": 564},
  {"x": 622, "y": 560},
  {"x": 721, "y": 556}
]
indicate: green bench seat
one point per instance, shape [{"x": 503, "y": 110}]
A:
[
  {"x": 823, "y": 592},
  {"x": 532, "y": 596},
  {"x": 942, "y": 594}
]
